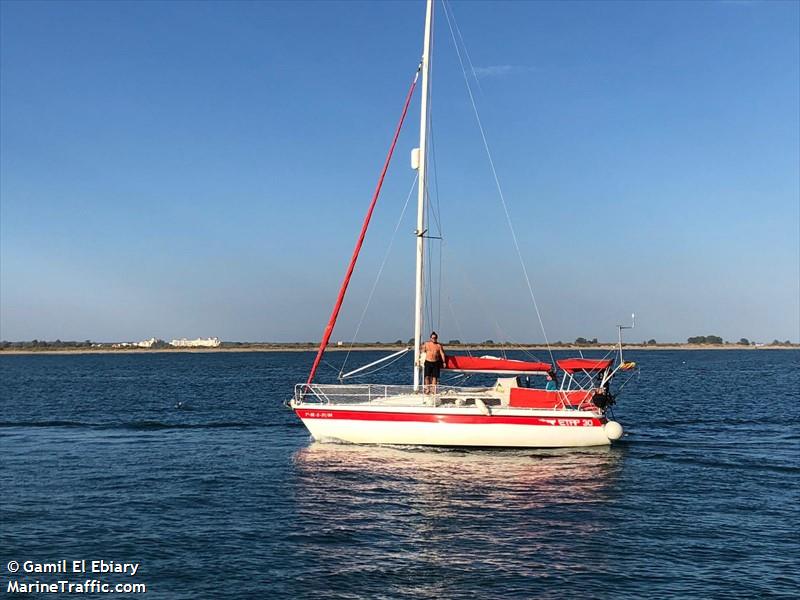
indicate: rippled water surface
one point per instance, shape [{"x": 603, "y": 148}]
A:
[{"x": 227, "y": 497}]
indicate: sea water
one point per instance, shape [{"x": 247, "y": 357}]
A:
[{"x": 189, "y": 466}]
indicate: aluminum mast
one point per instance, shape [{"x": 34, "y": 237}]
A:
[{"x": 422, "y": 187}]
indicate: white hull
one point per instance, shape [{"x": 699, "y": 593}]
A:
[{"x": 468, "y": 427}]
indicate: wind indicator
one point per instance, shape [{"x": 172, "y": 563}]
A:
[{"x": 619, "y": 334}]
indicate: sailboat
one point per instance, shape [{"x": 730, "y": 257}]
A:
[{"x": 511, "y": 413}]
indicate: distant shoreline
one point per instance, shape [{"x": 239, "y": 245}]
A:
[{"x": 388, "y": 347}]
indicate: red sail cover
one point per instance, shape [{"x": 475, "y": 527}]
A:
[
  {"x": 491, "y": 364},
  {"x": 571, "y": 365}
]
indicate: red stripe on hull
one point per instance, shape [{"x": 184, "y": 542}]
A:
[{"x": 357, "y": 415}]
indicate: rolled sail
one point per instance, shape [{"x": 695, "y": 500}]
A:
[{"x": 495, "y": 364}]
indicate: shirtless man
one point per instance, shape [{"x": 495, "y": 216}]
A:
[{"x": 434, "y": 361}]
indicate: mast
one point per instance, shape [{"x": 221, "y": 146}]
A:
[{"x": 421, "y": 189}]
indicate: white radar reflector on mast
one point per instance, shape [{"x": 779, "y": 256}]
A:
[{"x": 415, "y": 158}]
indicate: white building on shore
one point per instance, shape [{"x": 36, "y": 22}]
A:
[
  {"x": 211, "y": 342},
  {"x": 151, "y": 343}
]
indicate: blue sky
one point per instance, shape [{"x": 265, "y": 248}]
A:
[{"x": 195, "y": 169}]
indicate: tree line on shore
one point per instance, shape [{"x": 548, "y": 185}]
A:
[
  {"x": 41, "y": 344},
  {"x": 714, "y": 340}
]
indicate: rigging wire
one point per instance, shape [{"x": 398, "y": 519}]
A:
[
  {"x": 466, "y": 52},
  {"x": 400, "y": 355},
  {"x": 429, "y": 268},
  {"x": 624, "y": 383},
  {"x": 503, "y": 335},
  {"x": 433, "y": 301},
  {"x": 439, "y": 292},
  {"x": 331, "y": 366},
  {"x": 433, "y": 291},
  {"x": 326, "y": 335},
  {"x": 448, "y": 12},
  {"x": 434, "y": 204},
  {"x": 433, "y": 298},
  {"x": 458, "y": 325},
  {"x": 437, "y": 216},
  {"x": 378, "y": 276}
]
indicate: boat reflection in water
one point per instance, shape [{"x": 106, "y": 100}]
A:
[
  {"x": 528, "y": 513},
  {"x": 520, "y": 478}
]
